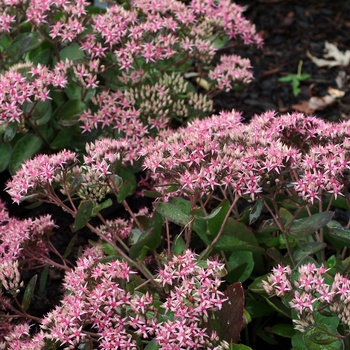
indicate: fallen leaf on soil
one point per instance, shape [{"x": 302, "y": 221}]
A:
[
  {"x": 314, "y": 104},
  {"x": 335, "y": 92},
  {"x": 303, "y": 107},
  {"x": 331, "y": 51}
]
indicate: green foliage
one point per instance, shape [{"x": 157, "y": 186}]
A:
[{"x": 295, "y": 79}]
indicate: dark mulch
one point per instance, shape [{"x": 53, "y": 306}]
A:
[{"x": 290, "y": 29}]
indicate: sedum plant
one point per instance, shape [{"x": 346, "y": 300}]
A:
[
  {"x": 228, "y": 201},
  {"x": 70, "y": 72}
]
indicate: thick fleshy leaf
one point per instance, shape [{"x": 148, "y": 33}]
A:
[
  {"x": 105, "y": 204},
  {"x": 128, "y": 185},
  {"x": 62, "y": 139},
  {"x": 69, "y": 113},
  {"x": 72, "y": 52},
  {"x": 308, "y": 249},
  {"x": 29, "y": 292},
  {"x": 23, "y": 43},
  {"x": 108, "y": 249},
  {"x": 5, "y": 155},
  {"x": 285, "y": 330},
  {"x": 240, "y": 266},
  {"x": 256, "y": 210},
  {"x": 150, "y": 239},
  {"x": 10, "y": 131},
  {"x": 43, "y": 278},
  {"x": 257, "y": 285},
  {"x": 239, "y": 347},
  {"x": 173, "y": 213},
  {"x": 317, "y": 339},
  {"x": 70, "y": 246},
  {"x": 277, "y": 304},
  {"x": 179, "y": 245},
  {"x": 231, "y": 316},
  {"x": 303, "y": 227},
  {"x": 83, "y": 215},
  {"x": 152, "y": 345},
  {"x": 25, "y": 148},
  {"x": 215, "y": 221},
  {"x": 146, "y": 241},
  {"x": 339, "y": 233},
  {"x": 38, "y": 110}
]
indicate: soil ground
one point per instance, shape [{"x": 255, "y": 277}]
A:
[{"x": 292, "y": 30}]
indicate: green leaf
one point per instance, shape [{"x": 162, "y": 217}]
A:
[
  {"x": 308, "y": 249},
  {"x": 62, "y": 139},
  {"x": 173, "y": 213},
  {"x": 83, "y": 215},
  {"x": 69, "y": 113},
  {"x": 286, "y": 215},
  {"x": 25, "y": 148},
  {"x": 23, "y": 43},
  {"x": 146, "y": 241},
  {"x": 215, "y": 221},
  {"x": 70, "y": 246},
  {"x": 257, "y": 286},
  {"x": 232, "y": 243},
  {"x": 269, "y": 226},
  {"x": 128, "y": 185},
  {"x": 152, "y": 345},
  {"x": 41, "y": 55},
  {"x": 338, "y": 232},
  {"x": 240, "y": 266},
  {"x": 5, "y": 42},
  {"x": 304, "y": 76},
  {"x": 288, "y": 78},
  {"x": 239, "y": 347},
  {"x": 43, "y": 279},
  {"x": 303, "y": 227},
  {"x": 277, "y": 304},
  {"x": 285, "y": 330},
  {"x": 39, "y": 110},
  {"x": 10, "y": 131},
  {"x": 256, "y": 210},
  {"x": 29, "y": 292},
  {"x": 72, "y": 52},
  {"x": 150, "y": 239},
  {"x": 316, "y": 339},
  {"x": 106, "y": 204},
  {"x": 5, "y": 155},
  {"x": 108, "y": 249},
  {"x": 179, "y": 245}
]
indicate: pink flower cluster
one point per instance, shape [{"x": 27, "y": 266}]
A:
[
  {"x": 231, "y": 69},
  {"x": 194, "y": 293},
  {"x": 310, "y": 291},
  {"x": 301, "y": 152},
  {"x": 40, "y": 176},
  {"x": 21, "y": 91},
  {"x": 99, "y": 307},
  {"x": 128, "y": 44},
  {"x": 22, "y": 245}
]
